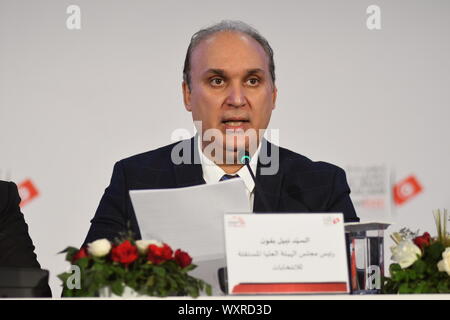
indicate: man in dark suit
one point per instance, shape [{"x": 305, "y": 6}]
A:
[
  {"x": 229, "y": 87},
  {"x": 16, "y": 246}
]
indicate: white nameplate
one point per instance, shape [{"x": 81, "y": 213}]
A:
[{"x": 286, "y": 253}]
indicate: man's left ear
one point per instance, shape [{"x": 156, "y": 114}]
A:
[
  {"x": 274, "y": 97},
  {"x": 186, "y": 96}
]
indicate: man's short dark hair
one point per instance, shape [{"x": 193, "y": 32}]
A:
[{"x": 227, "y": 25}]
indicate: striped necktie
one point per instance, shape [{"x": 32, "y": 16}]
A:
[{"x": 228, "y": 177}]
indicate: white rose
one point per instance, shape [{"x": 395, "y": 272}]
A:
[
  {"x": 405, "y": 253},
  {"x": 444, "y": 264},
  {"x": 99, "y": 248},
  {"x": 142, "y": 245}
]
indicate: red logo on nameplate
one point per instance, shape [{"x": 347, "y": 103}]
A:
[
  {"x": 27, "y": 192},
  {"x": 236, "y": 222},
  {"x": 406, "y": 189},
  {"x": 331, "y": 220}
]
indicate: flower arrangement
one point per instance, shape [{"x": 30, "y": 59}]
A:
[
  {"x": 146, "y": 267},
  {"x": 422, "y": 263}
]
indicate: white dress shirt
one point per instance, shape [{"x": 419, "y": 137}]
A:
[{"x": 212, "y": 173}]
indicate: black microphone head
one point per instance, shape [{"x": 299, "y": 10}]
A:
[{"x": 244, "y": 157}]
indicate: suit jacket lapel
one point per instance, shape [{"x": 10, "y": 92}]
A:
[
  {"x": 270, "y": 183},
  {"x": 189, "y": 173}
]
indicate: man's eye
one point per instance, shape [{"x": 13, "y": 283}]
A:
[
  {"x": 216, "y": 82},
  {"x": 253, "y": 82}
]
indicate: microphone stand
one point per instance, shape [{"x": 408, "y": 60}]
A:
[{"x": 245, "y": 159}]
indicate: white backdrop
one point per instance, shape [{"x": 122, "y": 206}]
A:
[{"x": 72, "y": 102}]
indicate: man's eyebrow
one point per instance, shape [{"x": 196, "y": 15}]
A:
[
  {"x": 219, "y": 72},
  {"x": 254, "y": 71},
  {"x": 222, "y": 73}
]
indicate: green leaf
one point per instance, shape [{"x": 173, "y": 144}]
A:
[
  {"x": 193, "y": 292},
  {"x": 419, "y": 267},
  {"x": 421, "y": 287},
  {"x": 404, "y": 288},
  {"x": 443, "y": 287},
  {"x": 159, "y": 271},
  {"x": 70, "y": 252},
  {"x": 394, "y": 268},
  {"x": 98, "y": 267},
  {"x": 117, "y": 288},
  {"x": 435, "y": 251},
  {"x": 208, "y": 289},
  {"x": 161, "y": 283},
  {"x": 63, "y": 277},
  {"x": 163, "y": 293},
  {"x": 189, "y": 268},
  {"x": 98, "y": 260},
  {"x": 151, "y": 281},
  {"x": 67, "y": 293},
  {"x": 83, "y": 263},
  {"x": 399, "y": 276},
  {"x": 68, "y": 249},
  {"x": 412, "y": 275}
]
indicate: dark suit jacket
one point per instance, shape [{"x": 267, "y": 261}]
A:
[
  {"x": 16, "y": 246},
  {"x": 300, "y": 185}
]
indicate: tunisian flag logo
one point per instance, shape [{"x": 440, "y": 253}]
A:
[
  {"x": 406, "y": 189},
  {"x": 27, "y": 192}
]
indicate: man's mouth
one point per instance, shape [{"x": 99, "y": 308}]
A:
[{"x": 235, "y": 122}]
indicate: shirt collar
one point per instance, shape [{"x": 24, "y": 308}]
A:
[{"x": 212, "y": 173}]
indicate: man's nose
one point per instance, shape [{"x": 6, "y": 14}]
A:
[{"x": 236, "y": 96}]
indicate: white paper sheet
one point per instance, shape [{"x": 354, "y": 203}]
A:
[{"x": 191, "y": 219}]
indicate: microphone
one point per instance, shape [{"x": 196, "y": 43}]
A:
[
  {"x": 245, "y": 159},
  {"x": 223, "y": 279},
  {"x": 222, "y": 273}
]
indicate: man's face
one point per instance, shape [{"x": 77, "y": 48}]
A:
[{"x": 231, "y": 88}]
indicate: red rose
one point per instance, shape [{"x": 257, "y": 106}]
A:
[
  {"x": 158, "y": 254},
  {"x": 124, "y": 253},
  {"x": 82, "y": 253},
  {"x": 422, "y": 241},
  {"x": 182, "y": 258}
]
